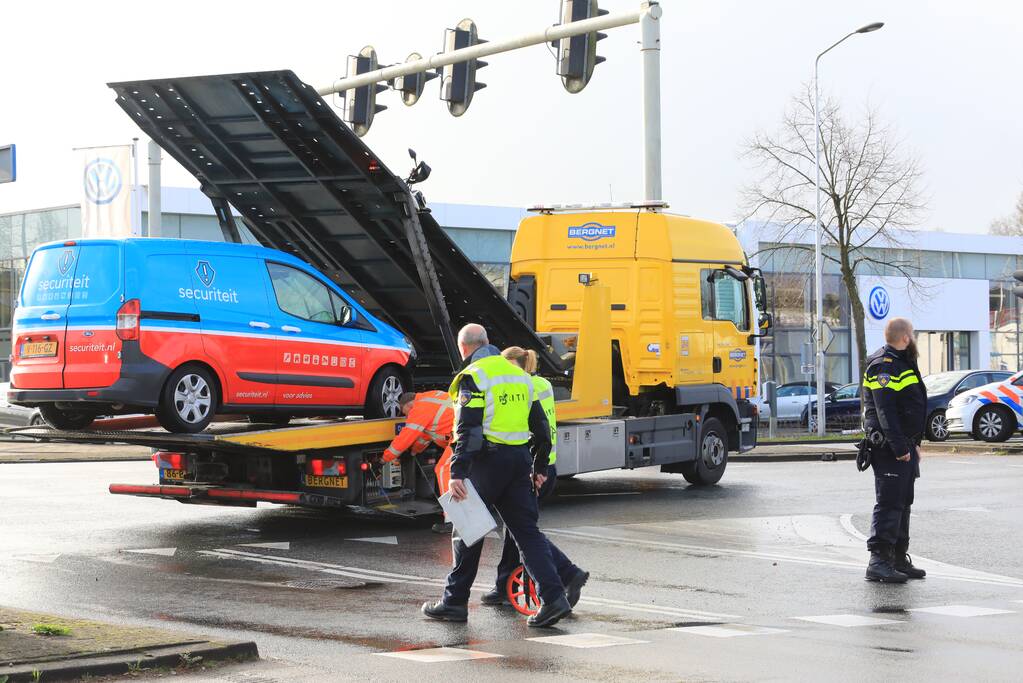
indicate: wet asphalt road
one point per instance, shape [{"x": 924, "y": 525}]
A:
[{"x": 774, "y": 544}]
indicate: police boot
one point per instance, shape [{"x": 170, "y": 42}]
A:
[
  {"x": 881, "y": 569},
  {"x": 442, "y": 612},
  {"x": 494, "y": 596},
  {"x": 550, "y": 613},
  {"x": 574, "y": 588},
  {"x": 904, "y": 563}
]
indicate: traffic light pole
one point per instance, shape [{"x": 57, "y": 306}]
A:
[{"x": 647, "y": 16}]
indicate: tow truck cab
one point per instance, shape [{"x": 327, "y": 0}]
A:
[{"x": 683, "y": 306}]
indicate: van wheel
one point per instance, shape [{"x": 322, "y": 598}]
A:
[
  {"x": 994, "y": 424},
  {"x": 711, "y": 458},
  {"x": 188, "y": 400},
  {"x": 65, "y": 419},
  {"x": 384, "y": 391}
]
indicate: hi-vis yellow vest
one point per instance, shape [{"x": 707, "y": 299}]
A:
[
  {"x": 545, "y": 395},
  {"x": 507, "y": 395}
]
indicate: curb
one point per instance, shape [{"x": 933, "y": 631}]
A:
[
  {"x": 817, "y": 456},
  {"x": 125, "y": 662}
]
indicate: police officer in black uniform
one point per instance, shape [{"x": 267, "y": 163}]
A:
[
  {"x": 894, "y": 412},
  {"x": 503, "y": 474}
]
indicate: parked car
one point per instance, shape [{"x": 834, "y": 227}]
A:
[
  {"x": 188, "y": 329},
  {"x": 942, "y": 387},
  {"x": 16, "y": 416},
  {"x": 841, "y": 409},
  {"x": 991, "y": 412},
  {"x": 792, "y": 400}
]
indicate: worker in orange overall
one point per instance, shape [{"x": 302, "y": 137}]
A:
[{"x": 430, "y": 419}]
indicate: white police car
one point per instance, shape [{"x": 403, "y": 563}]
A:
[{"x": 991, "y": 413}]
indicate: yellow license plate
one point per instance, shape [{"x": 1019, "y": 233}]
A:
[
  {"x": 38, "y": 349},
  {"x": 177, "y": 475},
  {"x": 325, "y": 482}
]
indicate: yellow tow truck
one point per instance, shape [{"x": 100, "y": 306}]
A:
[{"x": 643, "y": 320}]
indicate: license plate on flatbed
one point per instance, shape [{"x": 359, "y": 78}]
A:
[
  {"x": 325, "y": 482},
  {"x": 176, "y": 475},
  {"x": 38, "y": 349}
]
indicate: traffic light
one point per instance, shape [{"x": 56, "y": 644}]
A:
[
  {"x": 458, "y": 81},
  {"x": 360, "y": 103},
  {"x": 411, "y": 87},
  {"x": 1018, "y": 289},
  {"x": 578, "y": 55}
]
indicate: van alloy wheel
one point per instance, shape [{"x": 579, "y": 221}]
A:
[
  {"x": 192, "y": 398},
  {"x": 391, "y": 391}
]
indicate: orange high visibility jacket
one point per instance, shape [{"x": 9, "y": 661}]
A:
[{"x": 430, "y": 421}]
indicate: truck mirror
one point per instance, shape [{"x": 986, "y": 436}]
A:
[{"x": 766, "y": 322}]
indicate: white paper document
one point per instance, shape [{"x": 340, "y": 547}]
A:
[{"x": 471, "y": 518}]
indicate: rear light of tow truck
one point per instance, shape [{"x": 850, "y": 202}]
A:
[
  {"x": 169, "y": 461},
  {"x": 128, "y": 316},
  {"x": 319, "y": 467}
]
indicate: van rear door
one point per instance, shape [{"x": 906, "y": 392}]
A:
[
  {"x": 92, "y": 352},
  {"x": 40, "y": 320}
]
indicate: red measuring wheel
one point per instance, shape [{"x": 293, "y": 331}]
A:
[{"x": 521, "y": 591}]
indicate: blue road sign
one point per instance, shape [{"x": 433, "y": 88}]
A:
[{"x": 8, "y": 164}]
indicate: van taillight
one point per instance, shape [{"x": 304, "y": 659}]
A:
[{"x": 128, "y": 320}]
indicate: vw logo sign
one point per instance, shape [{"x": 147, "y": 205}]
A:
[
  {"x": 879, "y": 303},
  {"x": 102, "y": 181}
]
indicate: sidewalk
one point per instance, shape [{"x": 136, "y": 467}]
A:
[{"x": 81, "y": 647}]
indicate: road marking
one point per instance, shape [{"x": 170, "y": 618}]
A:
[
  {"x": 390, "y": 577},
  {"x": 962, "y": 611},
  {"x": 386, "y": 540},
  {"x": 587, "y": 495},
  {"x": 286, "y": 545},
  {"x": 729, "y": 630},
  {"x": 438, "y": 654},
  {"x": 848, "y": 620},
  {"x": 587, "y": 640},
  {"x": 975, "y": 508},
  {"x": 847, "y": 524},
  {"x": 164, "y": 552},
  {"x": 935, "y": 569},
  {"x": 962, "y": 462},
  {"x": 44, "y": 558}
]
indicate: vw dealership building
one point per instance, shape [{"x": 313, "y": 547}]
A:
[{"x": 959, "y": 297}]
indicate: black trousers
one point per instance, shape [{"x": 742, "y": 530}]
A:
[
  {"x": 894, "y": 482},
  {"x": 501, "y": 475},
  {"x": 510, "y": 558}
]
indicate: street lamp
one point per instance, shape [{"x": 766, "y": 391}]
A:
[{"x": 818, "y": 230}]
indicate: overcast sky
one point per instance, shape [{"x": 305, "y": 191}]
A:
[{"x": 946, "y": 74}]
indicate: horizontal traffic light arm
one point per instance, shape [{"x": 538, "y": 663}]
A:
[{"x": 551, "y": 33}]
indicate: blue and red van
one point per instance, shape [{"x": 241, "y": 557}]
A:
[{"x": 188, "y": 329}]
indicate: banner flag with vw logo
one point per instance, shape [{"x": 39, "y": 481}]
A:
[{"x": 106, "y": 191}]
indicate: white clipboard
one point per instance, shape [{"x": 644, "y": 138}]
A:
[{"x": 471, "y": 517}]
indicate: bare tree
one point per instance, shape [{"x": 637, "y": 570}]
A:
[
  {"x": 869, "y": 190},
  {"x": 1011, "y": 225}
]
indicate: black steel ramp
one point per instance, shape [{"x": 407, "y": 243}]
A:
[{"x": 306, "y": 184}]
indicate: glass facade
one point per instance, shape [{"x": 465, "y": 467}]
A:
[{"x": 789, "y": 275}]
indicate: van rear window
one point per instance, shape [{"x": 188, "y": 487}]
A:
[{"x": 86, "y": 274}]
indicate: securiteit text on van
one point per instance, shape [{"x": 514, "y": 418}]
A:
[{"x": 229, "y": 296}]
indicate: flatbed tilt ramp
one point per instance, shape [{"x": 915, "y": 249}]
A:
[{"x": 267, "y": 144}]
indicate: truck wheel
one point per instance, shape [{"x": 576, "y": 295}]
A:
[
  {"x": 65, "y": 419},
  {"x": 993, "y": 424},
  {"x": 937, "y": 426},
  {"x": 711, "y": 458},
  {"x": 188, "y": 400},
  {"x": 384, "y": 391}
]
